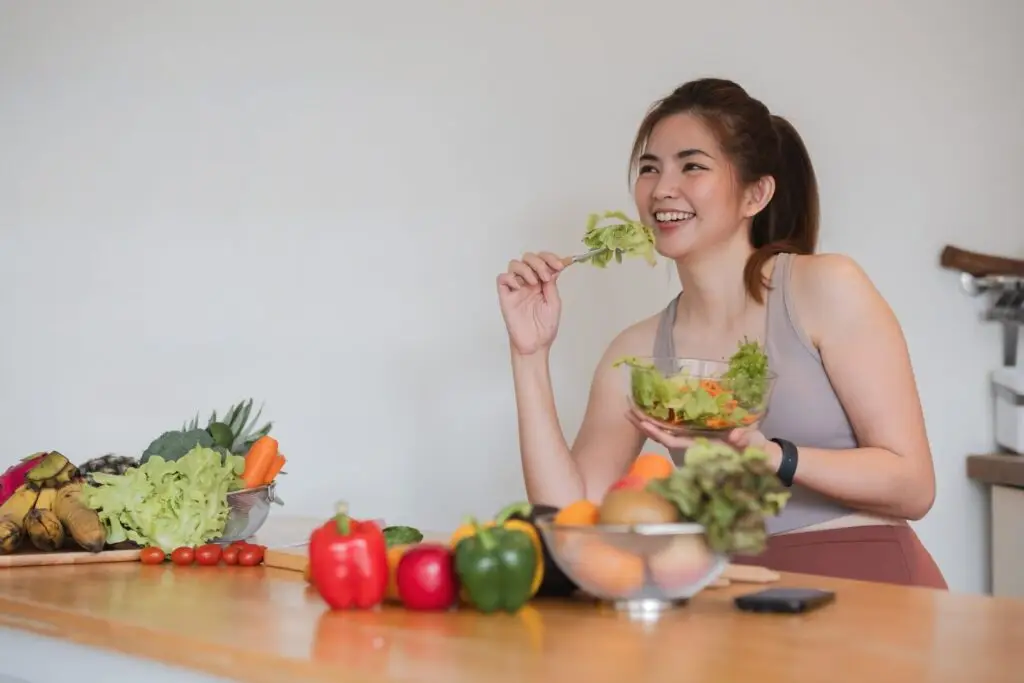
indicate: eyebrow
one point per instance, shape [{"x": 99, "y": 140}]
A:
[{"x": 681, "y": 154}]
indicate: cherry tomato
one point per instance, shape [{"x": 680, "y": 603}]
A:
[
  {"x": 183, "y": 556},
  {"x": 151, "y": 556},
  {"x": 230, "y": 554},
  {"x": 251, "y": 556},
  {"x": 208, "y": 555}
]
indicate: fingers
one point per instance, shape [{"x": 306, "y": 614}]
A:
[
  {"x": 656, "y": 433},
  {"x": 535, "y": 269},
  {"x": 550, "y": 292},
  {"x": 508, "y": 282},
  {"x": 745, "y": 437},
  {"x": 552, "y": 261},
  {"x": 738, "y": 438},
  {"x": 523, "y": 271}
]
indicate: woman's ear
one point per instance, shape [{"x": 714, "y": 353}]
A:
[{"x": 758, "y": 195}]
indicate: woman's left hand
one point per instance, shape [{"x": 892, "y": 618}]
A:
[{"x": 738, "y": 438}]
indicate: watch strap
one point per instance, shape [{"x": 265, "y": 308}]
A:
[{"x": 790, "y": 457}]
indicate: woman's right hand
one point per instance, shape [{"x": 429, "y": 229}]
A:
[{"x": 528, "y": 294}]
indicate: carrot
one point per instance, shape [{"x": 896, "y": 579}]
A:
[
  {"x": 275, "y": 467},
  {"x": 258, "y": 460},
  {"x": 711, "y": 386}
]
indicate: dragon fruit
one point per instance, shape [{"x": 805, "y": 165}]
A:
[{"x": 15, "y": 475}]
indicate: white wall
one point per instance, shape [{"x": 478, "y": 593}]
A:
[{"x": 307, "y": 202}]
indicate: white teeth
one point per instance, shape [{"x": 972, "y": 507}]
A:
[{"x": 671, "y": 216}]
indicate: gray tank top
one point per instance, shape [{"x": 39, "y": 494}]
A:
[{"x": 803, "y": 407}]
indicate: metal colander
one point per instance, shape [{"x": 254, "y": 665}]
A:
[{"x": 247, "y": 511}]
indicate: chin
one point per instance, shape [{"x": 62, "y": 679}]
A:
[{"x": 674, "y": 246}]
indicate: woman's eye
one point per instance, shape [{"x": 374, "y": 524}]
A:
[
  {"x": 646, "y": 169},
  {"x": 692, "y": 167}
]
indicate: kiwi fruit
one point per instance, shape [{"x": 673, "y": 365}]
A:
[{"x": 630, "y": 506}]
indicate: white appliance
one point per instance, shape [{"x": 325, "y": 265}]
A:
[{"x": 1008, "y": 383}]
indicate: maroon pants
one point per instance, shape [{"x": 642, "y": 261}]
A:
[{"x": 887, "y": 554}]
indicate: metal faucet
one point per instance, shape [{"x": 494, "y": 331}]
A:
[{"x": 1006, "y": 307}]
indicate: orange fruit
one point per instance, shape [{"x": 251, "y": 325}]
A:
[
  {"x": 650, "y": 466},
  {"x": 605, "y": 569},
  {"x": 580, "y": 513}
]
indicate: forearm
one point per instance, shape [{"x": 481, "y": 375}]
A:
[
  {"x": 550, "y": 472},
  {"x": 873, "y": 480}
]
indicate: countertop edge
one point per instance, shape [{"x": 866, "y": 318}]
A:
[
  {"x": 998, "y": 469},
  {"x": 145, "y": 642}
]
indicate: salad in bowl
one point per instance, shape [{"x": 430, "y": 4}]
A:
[{"x": 695, "y": 397}]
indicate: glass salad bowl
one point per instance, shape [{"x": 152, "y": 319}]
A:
[
  {"x": 640, "y": 568},
  {"x": 694, "y": 397},
  {"x": 248, "y": 509}
]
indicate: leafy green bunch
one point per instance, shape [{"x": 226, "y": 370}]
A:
[{"x": 729, "y": 492}]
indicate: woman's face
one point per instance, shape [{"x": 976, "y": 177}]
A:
[{"x": 686, "y": 188}]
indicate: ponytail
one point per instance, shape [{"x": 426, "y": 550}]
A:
[{"x": 790, "y": 221}]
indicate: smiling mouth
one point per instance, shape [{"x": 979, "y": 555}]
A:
[{"x": 672, "y": 218}]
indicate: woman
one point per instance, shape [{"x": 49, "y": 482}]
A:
[{"x": 731, "y": 194}]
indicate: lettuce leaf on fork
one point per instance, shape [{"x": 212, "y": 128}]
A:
[{"x": 626, "y": 238}]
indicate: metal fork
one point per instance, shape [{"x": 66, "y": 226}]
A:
[{"x": 569, "y": 260}]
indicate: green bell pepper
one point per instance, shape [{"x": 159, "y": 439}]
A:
[{"x": 496, "y": 566}]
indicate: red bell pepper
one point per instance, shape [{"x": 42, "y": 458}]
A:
[
  {"x": 348, "y": 562},
  {"x": 426, "y": 577}
]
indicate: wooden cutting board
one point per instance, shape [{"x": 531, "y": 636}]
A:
[
  {"x": 293, "y": 559},
  {"x": 60, "y": 557},
  {"x": 296, "y": 558}
]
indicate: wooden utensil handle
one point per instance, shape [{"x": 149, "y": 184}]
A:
[{"x": 978, "y": 264}]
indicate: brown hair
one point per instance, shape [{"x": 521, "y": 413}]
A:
[{"x": 758, "y": 144}]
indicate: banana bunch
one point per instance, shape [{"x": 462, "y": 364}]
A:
[{"x": 47, "y": 509}]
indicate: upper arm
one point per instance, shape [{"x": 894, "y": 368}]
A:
[
  {"x": 607, "y": 442},
  {"x": 865, "y": 355}
]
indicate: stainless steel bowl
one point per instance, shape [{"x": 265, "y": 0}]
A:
[{"x": 247, "y": 511}]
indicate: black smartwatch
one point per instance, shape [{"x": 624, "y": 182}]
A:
[{"x": 787, "y": 468}]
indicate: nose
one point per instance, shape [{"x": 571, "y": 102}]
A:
[{"x": 668, "y": 185}]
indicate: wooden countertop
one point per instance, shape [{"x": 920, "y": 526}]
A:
[
  {"x": 1000, "y": 469},
  {"x": 265, "y": 625}
]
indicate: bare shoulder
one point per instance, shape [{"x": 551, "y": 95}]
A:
[
  {"x": 828, "y": 275},
  {"x": 637, "y": 339},
  {"x": 833, "y": 292}
]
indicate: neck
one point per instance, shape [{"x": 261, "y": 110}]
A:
[{"x": 715, "y": 294}]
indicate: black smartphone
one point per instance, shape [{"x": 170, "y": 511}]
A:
[{"x": 784, "y": 600}]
